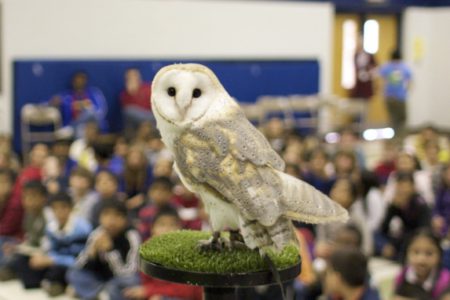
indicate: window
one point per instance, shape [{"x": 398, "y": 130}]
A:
[
  {"x": 371, "y": 36},
  {"x": 349, "y": 38}
]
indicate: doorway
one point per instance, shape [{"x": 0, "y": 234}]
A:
[{"x": 380, "y": 35}]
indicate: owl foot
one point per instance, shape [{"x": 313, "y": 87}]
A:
[
  {"x": 218, "y": 243},
  {"x": 236, "y": 241},
  {"x": 215, "y": 243}
]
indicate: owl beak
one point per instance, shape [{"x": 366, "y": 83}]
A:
[{"x": 183, "y": 102}]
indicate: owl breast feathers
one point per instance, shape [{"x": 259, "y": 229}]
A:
[{"x": 229, "y": 163}]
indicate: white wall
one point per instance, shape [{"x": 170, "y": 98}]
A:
[
  {"x": 163, "y": 29},
  {"x": 429, "y": 100}
]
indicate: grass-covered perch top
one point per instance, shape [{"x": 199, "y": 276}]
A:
[{"x": 179, "y": 250}]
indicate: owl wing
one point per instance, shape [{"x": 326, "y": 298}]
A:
[
  {"x": 249, "y": 144},
  {"x": 207, "y": 157}
]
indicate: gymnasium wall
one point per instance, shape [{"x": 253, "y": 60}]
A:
[{"x": 427, "y": 50}]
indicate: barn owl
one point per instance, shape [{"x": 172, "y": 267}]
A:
[{"x": 220, "y": 156}]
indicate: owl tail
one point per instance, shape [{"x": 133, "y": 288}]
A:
[{"x": 302, "y": 202}]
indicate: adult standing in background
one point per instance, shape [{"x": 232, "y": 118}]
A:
[
  {"x": 397, "y": 80},
  {"x": 365, "y": 65},
  {"x": 135, "y": 101},
  {"x": 81, "y": 104},
  {"x": 362, "y": 92}
]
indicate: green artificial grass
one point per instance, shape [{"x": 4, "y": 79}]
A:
[{"x": 179, "y": 250}]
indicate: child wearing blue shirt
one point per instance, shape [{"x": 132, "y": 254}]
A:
[
  {"x": 397, "y": 78},
  {"x": 66, "y": 235}
]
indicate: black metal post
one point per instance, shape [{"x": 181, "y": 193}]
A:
[{"x": 219, "y": 293}]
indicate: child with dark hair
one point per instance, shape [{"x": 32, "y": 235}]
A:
[
  {"x": 107, "y": 188},
  {"x": 34, "y": 199},
  {"x": 104, "y": 155},
  {"x": 66, "y": 235},
  {"x": 344, "y": 192},
  {"x": 423, "y": 277},
  {"x": 33, "y": 171},
  {"x": 408, "y": 163},
  {"x": 159, "y": 194},
  {"x": 84, "y": 198},
  {"x": 188, "y": 205},
  {"x": 406, "y": 213},
  {"x": 135, "y": 180},
  {"x": 349, "y": 236},
  {"x": 166, "y": 220},
  {"x": 110, "y": 258},
  {"x": 345, "y": 164},
  {"x": 317, "y": 174},
  {"x": 441, "y": 212},
  {"x": 346, "y": 276},
  {"x": 11, "y": 211}
]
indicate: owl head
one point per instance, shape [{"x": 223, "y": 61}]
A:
[{"x": 184, "y": 93}]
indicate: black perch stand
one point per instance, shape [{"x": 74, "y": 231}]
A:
[{"x": 218, "y": 286}]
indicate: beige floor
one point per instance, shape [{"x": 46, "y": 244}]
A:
[{"x": 13, "y": 290}]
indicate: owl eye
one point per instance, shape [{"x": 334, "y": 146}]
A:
[
  {"x": 196, "y": 93},
  {"x": 171, "y": 91}
]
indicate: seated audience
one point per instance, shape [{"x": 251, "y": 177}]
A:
[
  {"x": 159, "y": 194},
  {"x": 8, "y": 158},
  {"x": 81, "y": 150},
  {"x": 136, "y": 179},
  {"x": 428, "y": 134},
  {"x": 34, "y": 199},
  {"x": 82, "y": 193},
  {"x": 346, "y": 236},
  {"x": 32, "y": 171},
  {"x": 346, "y": 277},
  {"x": 188, "y": 207},
  {"x": 441, "y": 211},
  {"x": 105, "y": 158},
  {"x": 11, "y": 211},
  {"x": 407, "y": 212},
  {"x": 107, "y": 188},
  {"x": 51, "y": 175},
  {"x": 317, "y": 174},
  {"x": 110, "y": 258},
  {"x": 344, "y": 192},
  {"x": 422, "y": 277},
  {"x": 61, "y": 149},
  {"x": 66, "y": 235},
  {"x": 386, "y": 165},
  {"x": 276, "y": 133},
  {"x": 135, "y": 101},
  {"x": 349, "y": 141},
  {"x": 408, "y": 163}
]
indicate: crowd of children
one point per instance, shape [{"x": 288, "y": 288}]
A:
[{"x": 72, "y": 218}]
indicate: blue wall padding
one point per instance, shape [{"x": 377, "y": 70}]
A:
[{"x": 36, "y": 81}]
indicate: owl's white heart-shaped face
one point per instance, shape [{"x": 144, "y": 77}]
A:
[{"x": 183, "y": 94}]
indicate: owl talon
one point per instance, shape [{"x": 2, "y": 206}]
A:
[
  {"x": 215, "y": 243},
  {"x": 218, "y": 243},
  {"x": 236, "y": 241},
  {"x": 210, "y": 245}
]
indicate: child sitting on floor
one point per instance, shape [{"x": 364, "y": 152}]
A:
[
  {"x": 423, "y": 278},
  {"x": 110, "y": 259},
  {"x": 346, "y": 276},
  {"x": 66, "y": 235}
]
